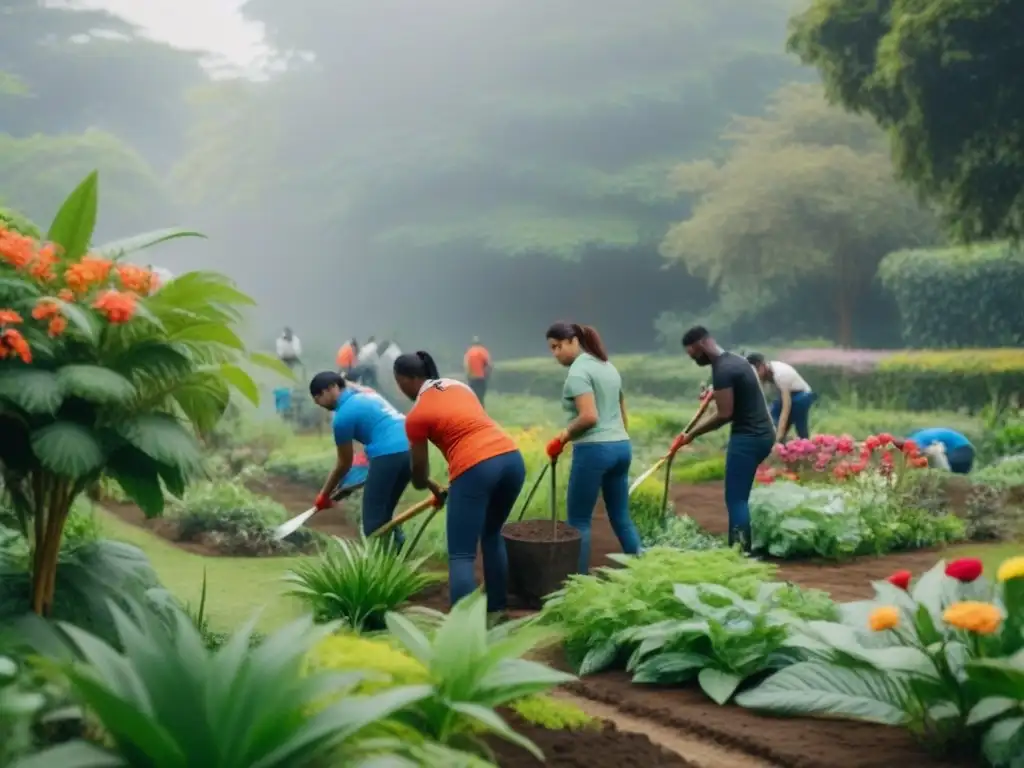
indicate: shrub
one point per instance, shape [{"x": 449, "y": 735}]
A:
[
  {"x": 957, "y": 297},
  {"x": 230, "y": 517},
  {"x": 357, "y": 582},
  {"x": 700, "y": 470}
]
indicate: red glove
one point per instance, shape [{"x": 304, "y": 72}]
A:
[
  {"x": 678, "y": 443},
  {"x": 323, "y": 501},
  {"x": 555, "y": 448},
  {"x": 440, "y": 499}
]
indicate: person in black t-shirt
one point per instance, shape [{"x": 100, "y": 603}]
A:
[{"x": 740, "y": 402}]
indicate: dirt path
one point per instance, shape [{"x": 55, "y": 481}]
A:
[{"x": 698, "y": 752}]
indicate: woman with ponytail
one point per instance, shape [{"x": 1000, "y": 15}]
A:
[
  {"x": 602, "y": 453},
  {"x": 485, "y": 473}
]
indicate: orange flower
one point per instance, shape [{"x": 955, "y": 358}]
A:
[
  {"x": 134, "y": 278},
  {"x": 9, "y": 317},
  {"x": 118, "y": 307},
  {"x": 13, "y": 343},
  {"x": 16, "y": 249},
  {"x": 883, "y": 618},
  {"x": 90, "y": 271},
  {"x": 44, "y": 262},
  {"x": 45, "y": 309},
  {"x": 57, "y": 326},
  {"x": 65, "y": 295}
]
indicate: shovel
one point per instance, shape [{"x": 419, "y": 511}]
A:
[
  {"x": 667, "y": 459},
  {"x": 409, "y": 514},
  {"x": 291, "y": 526}
]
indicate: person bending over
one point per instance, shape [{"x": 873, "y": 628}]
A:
[
  {"x": 740, "y": 403},
  {"x": 958, "y": 450},
  {"x": 364, "y": 416},
  {"x": 485, "y": 470},
  {"x": 792, "y": 407},
  {"x": 602, "y": 452}
]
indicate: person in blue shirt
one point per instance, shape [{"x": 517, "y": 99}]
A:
[
  {"x": 362, "y": 415},
  {"x": 958, "y": 449}
]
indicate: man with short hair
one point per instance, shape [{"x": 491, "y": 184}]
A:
[
  {"x": 792, "y": 407},
  {"x": 740, "y": 403}
]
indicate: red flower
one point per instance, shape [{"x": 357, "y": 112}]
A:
[
  {"x": 885, "y": 438},
  {"x": 901, "y": 579},
  {"x": 966, "y": 569}
]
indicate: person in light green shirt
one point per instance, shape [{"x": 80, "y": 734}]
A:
[{"x": 602, "y": 453}]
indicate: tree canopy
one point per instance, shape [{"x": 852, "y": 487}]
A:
[
  {"x": 806, "y": 196},
  {"x": 944, "y": 78}
]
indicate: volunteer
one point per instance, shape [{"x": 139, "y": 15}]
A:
[
  {"x": 289, "y": 348},
  {"x": 477, "y": 363},
  {"x": 740, "y": 403},
  {"x": 601, "y": 455},
  {"x": 366, "y": 363},
  {"x": 346, "y": 357},
  {"x": 363, "y": 415},
  {"x": 792, "y": 407},
  {"x": 485, "y": 470},
  {"x": 936, "y": 442}
]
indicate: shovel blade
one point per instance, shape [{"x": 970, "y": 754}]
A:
[{"x": 291, "y": 526}]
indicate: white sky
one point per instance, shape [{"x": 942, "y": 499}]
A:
[{"x": 212, "y": 26}]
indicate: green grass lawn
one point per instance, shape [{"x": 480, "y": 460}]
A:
[{"x": 236, "y": 587}]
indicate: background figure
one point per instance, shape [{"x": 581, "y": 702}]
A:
[
  {"x": 289, "y": 349},
  {"x": 959, "y": 453},
  {"x": 346, "y": 357},
  {"x": 477, "y": 363},
  {"x": 366, "y": 363},
  {"x": 792, "y": 405}
]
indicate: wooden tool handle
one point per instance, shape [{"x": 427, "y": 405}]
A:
[{"x": 410, "y": 513}]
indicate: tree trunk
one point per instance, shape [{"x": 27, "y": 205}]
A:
[{"x": 47, "y": 548}]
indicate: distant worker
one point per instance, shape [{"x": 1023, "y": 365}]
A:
[
  {"x": 289, "y": 349},
  {"x": 477, "y": 363},
  {"x": 485, "y": 469},
  {"x": 945, "y": 449},
  {"x": 389, "y": 352},
  {"x": 367, "y": 418},
  {"x": 794, "y": 398},
  {"x": 346, "y": 357},
  {"x": 367, "y": 360}
]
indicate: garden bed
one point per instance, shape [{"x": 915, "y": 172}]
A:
[
  {"x": 787, "y": 742},
  {"x": 607, "y": 747}
]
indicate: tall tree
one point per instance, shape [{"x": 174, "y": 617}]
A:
[
  {"x": 807, "y": 194},
  {"x": 944, "y": 77}
]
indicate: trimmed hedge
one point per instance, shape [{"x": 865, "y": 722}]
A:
[
  {"x": 958, "y": 297},
  {"x": 912, "y": 381}
]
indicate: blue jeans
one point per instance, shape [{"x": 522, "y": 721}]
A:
[
  {"x": 961, "y": 460},
  {"x": 479, "y": 502},
  {"x": 601, "y": 467},
  {"x": 386, "y": 481},
  {"x": 742, "y": 457},
  {"x": 799, "y": 413}
]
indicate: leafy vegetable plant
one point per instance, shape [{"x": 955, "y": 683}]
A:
[
  {"x": 358, "y": 581},
  {"x": 726, "y": 640}
]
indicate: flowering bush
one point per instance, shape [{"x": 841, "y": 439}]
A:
[
  {"x": 828, "y": 458},
  {"x": 942, "y": 656},
  {"x": 101, "y": 374}
]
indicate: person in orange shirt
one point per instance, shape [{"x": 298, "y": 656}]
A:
[
  {"x": 485, "y": 473},
  {"x": 477, "y": 363},
  {"x": 346, "y": 358}
]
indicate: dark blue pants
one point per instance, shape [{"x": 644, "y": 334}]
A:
[
  {"x": 742, "y": 457},
  {"x": 604, "y": 468},
  {"x": 961, "y": 459},
  {"x": 386, "y": 481},
  {"x": 479, "y": 502},
  {"x": 799, "y": 413}
]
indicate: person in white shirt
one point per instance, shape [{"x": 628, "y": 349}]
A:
[
  {"x": 792, "y": 407},
  {"x": 289, "y": 348},
  {"x": 366, "y": 363}
]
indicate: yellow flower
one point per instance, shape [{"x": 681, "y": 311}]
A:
[
  {"x": 1011, "y": 569},
  {"x": 886, "y": 617},
  {"x": 980, "y": 618}
]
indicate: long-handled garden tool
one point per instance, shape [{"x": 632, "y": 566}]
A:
[
  {"x": 666, "y": 460},
  {"x": 533, "y": 491},
  {"x": 289, "y": 527},
  {"x": 409, "y": 514}
]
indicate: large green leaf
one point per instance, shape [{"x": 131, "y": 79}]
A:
[
  {"x": 121, "y": 248},
  {"x": 162, "y": 438},
  {"x": 823, "y": 689},
  {"x": 81, "y": 319},
  {"x": 153, "y": 360},
  {"x": 271, "y": 363},
  {"x": 718, "y": 685},
  {"x": 211, "y": 333},
  {"x": 138, "y": 475},
  {"x": 96, "y": 384},
  {"x": 203, "y": 398},
  {"x": 74, "y": 223},
  {"x": 241, "y": 381},
  {"x": 31, "y": 390},
  {"x": 68, "y": 449}
]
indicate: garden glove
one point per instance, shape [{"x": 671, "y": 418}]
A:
[
  {"x": 323, "y": 501},
  {"x": 555, "y": 448},
  {"x": 679, "y": 442},
  {"x": 440, "y": 499}
]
